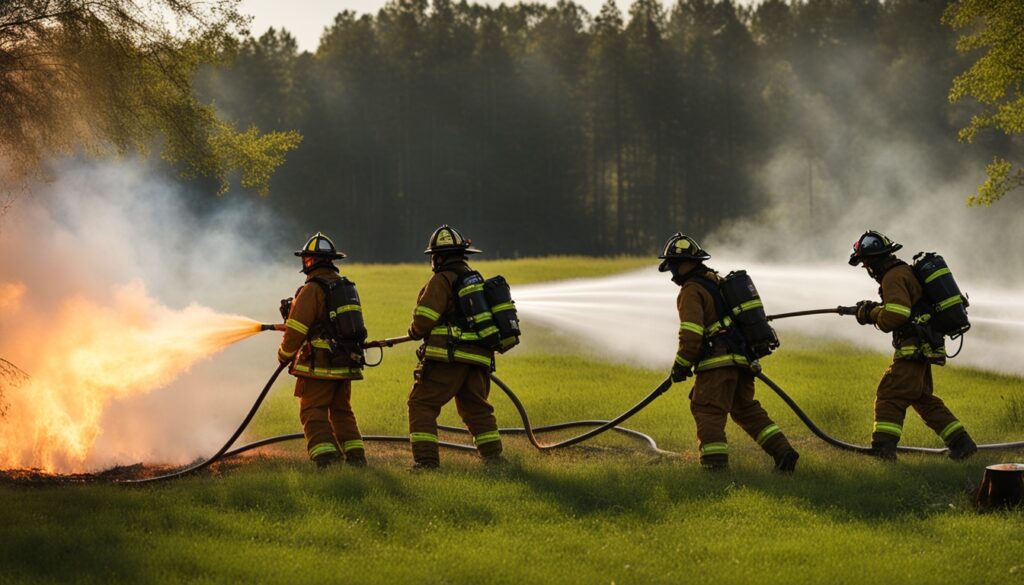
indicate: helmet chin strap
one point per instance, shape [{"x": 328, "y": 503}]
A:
[
  {"x": 439, "y": 260},
  {"x": 680, "y": 278},
  {"x": 877, "y": 268}
]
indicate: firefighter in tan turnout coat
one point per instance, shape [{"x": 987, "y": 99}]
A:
[
  {"x": 908, "y": 381},
  {"x": 724, "y": 383},
  {"x": 324, "y": 391},
  {"x": 451, "y": 364}
]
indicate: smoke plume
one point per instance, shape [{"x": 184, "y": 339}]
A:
[{"x": 114, "y": 295}]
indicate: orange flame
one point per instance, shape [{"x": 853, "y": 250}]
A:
[{"x": 87, "y": 355}]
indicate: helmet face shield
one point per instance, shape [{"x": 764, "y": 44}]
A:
[{"x": 872, "y": 244}]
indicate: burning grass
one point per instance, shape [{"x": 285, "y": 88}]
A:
[
  {"x": 94, "y": 355},
  {"x": 34, "y": 477},
  {"x": 11, "y": 379}
]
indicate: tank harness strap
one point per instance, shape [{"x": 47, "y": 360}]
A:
[
  {"x": 930, "y": 347},
  {"x": 318, "y": 327},
  {"x": 448, "y": 317},
  {"x": 721, "y": 310}
]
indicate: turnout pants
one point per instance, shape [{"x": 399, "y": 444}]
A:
[
  {"x": 325, "y": 410},
  {"x": 436, "y": 384},
  {"x": 908, "y": 383},
  {"x": 729, "y": 391}
]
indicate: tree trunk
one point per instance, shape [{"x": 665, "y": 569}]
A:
[{"x": 1002, "y": 486}]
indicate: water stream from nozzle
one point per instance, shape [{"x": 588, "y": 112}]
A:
[{"x": 632, "y": 317}]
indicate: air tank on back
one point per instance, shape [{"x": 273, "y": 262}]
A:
[
  {"x": 346, "y": 311},
  {"x": 747, "y": 311},
  {"x": 499, "y": 295},
  {"x": 949, "y": 305},
  {"x": 476, "y": 309}
]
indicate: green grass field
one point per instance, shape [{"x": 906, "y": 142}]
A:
[{"x": 609, "y": 512}]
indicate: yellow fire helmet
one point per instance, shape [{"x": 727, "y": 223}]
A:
[
  {"x": 321, "y": 246},
  {"x": 447, "y": 239},
  {"x": 680, "y": 248}
]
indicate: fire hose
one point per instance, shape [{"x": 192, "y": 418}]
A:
[
  {"x": 818, "y": 432},
  {"x": 531, "y": 432},
  {"x": 600, "y": 426}
]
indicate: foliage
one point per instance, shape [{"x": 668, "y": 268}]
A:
[
  {"x": 547, "y": 128},
  {"x": 995, "y": 79},
  {"x": 113, "y": 76}
]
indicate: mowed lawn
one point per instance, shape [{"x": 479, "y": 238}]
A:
[{"x": 607, "y": 512}]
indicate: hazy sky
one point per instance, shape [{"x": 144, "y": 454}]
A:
[{"x": 306, "y": 19}]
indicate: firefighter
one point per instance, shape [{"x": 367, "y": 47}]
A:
[
  {"x": 324, "y": 391},
  {"x": 908, "y": 381},
  {"x": 451, "y": 365},
  {"x": 710, "y": 350}
]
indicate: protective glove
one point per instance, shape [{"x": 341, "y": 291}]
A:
[
  {"x": 680, "y": 373},
  {"x": 286, "y": 308},
  {"x": 864, "y": 309}
]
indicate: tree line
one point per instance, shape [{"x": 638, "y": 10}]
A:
[{"x": 542, "y": 129}]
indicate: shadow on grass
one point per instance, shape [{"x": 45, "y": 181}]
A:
[
  {"x": 112, "y": 533},
  {"x": 844, "y": 486}
]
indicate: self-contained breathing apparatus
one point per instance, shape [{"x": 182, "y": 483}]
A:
[
  {"x": 947, "y": 311},
  {"x": 742, "y": 322},
  {"x": 486, "y": 313},
  {"x": 940, "y": 312},
  {"x": 343, "y": 330}
]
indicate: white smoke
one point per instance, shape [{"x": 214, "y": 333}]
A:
[
  {"x": 896, "y": 196},
  {"x": 99, "y": 227}
]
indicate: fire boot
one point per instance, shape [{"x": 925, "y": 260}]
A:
[
  {"x": 356, "y": 458},
  {"x": 489, "y": 446},
  {"x": 495, "y": 460},
  {"x": 786, "y": 462},
  {"x": 716, "y": 462},
  {"x": 962, "y": 446},
  {"x": 884, "y": 449},
  {"x": 326, "y": 460},
  {"x": 425, "y": 454}
]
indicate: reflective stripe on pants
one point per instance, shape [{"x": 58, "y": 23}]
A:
[{"x": 438, "y": 384}]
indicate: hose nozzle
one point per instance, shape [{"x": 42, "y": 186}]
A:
[
  {"x": 271, "y": 327},
  {"x": 389, "y": 342},
  {"x": 837, "y": 311}
]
